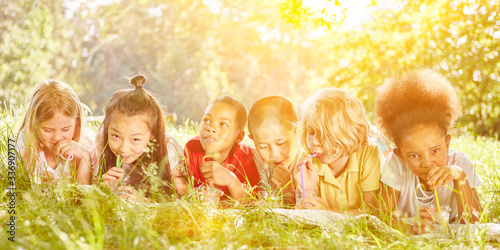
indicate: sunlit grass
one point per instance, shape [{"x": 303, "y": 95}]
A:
[{"x": 72, "y": 217}]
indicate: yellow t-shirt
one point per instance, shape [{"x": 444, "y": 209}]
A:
[{"x": 362, "y": 174}]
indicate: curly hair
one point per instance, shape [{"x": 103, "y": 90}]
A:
[{"x": 422, "y": 97}]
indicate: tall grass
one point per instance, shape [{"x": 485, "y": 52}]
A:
[{"x": 71, "y": 217}]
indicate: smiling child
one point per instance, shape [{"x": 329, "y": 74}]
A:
[{"x": 217, "y": 156}]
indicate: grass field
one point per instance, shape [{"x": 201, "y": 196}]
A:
[{"x": 71, "y": 218}]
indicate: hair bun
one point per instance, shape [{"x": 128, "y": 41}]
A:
[{"x": 138, "y": 81}]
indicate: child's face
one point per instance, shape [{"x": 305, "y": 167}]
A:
[
  {"x": 316, "y": 146},
  {"x": 128, "y": 136},
  {"x": 218, "y": 131},
  {"x": 56, "y": 129},
  {"x": 422, "y": 148},
  {"x": 276, "y": 144}
]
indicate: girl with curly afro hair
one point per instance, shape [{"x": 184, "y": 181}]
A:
[{"x": 417, "y": 112}]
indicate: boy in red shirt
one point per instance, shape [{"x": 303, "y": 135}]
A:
[{"x": 216, "y": 156}]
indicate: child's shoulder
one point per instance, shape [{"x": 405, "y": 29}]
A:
[
  {"x": 194, "y": 143},
  {"x": 458, "y": 158},
  {"x": 369, "y": 151},
  {"x": 243, "y": 148}
]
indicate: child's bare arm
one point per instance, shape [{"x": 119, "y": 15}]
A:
[
  {"x": 181, "y": 184},
  {"x": 282, "y": 181},
  {"x": 82, "y": 156},
  {"x": 214, "y": 173},
  {"x": 467, "y": 198}
]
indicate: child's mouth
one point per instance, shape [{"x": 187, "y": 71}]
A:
[{"x": 208, "y": 139}]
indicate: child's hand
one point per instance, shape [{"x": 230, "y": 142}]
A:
[
  {"x": 440, "y": 176},
  {"x": 214, "y": 173},
  {"x": 423, "y": 224},
  {"x": 281, "y": 176},
  {"x": 314, "y": 203},
  {"x": 67, "y": 147},
  {"x": 47, "y": 177},
  {"x": 112, "y": 177},
  {"x": 309, "y": 172}
]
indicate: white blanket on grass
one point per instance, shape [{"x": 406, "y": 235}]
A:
[{"x": 336, "y": 221}]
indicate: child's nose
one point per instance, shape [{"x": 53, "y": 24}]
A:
[
  {"x": 427, "y": 162},
  {"x": 211, "y": 128},
  {"x": 124, "y": 147},
  {"x": 57, "y": 136},
  {"x": 275, "y": 153}
]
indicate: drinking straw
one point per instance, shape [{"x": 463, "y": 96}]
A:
[
  {"x": 302, "y": 176},
  {"x": 439, "y": 207},
  {"x": 70, "y": 157}
]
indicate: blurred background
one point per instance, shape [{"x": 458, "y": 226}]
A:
[{"x": 192, "y": 51}]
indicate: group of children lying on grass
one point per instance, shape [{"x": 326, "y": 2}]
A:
[{"x": 330, "y": 150}]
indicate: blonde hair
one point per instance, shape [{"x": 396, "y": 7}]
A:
[
  {"x": 49, "y": 97},
  {"x": 340, "y": 118}
]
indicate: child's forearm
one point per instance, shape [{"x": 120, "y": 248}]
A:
[
  {"x": 466, "y": 200},
  {"x": 181, "y": 185},
  {"x": 84, "y": 170},
  {"x": 236, "y": 190}
]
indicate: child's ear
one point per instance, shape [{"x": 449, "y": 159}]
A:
[
  {"x": 398, "y": 153},
  {"x": 240, "y": 136},
  {"x": 448, "y": 140},
  {"x": 250, "y": 136}
]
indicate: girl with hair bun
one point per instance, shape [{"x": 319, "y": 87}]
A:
[
  {"x": 417, "y": 112},
  {"x": 137, "y": 153},
  {"x": 51, "y": 140}
]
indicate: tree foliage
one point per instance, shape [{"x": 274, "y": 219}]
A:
[{"x": 195, "y": 50}]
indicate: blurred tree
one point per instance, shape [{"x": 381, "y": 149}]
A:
[
  {"x": 37, "y": 42},
  {"x": 458, "y": 38}
]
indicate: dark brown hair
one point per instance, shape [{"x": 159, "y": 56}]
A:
[
  {"x": 423, "y": 97},
  {"x": 133, "y": 102}
]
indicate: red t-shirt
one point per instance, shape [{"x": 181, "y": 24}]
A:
[{"x": 241, "y": 157}]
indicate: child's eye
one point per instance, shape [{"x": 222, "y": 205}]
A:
[
  {"x": 205, "y": 120},
  {"x": 263, "y": 147},
  {"x": 65, "y": 129},
  {"x": 47, "y": 130},
  {"x": 116, "y": 137},
  {"x": 281, "y": 143},
  {"x": 136, "y": 140},
  {"x": 435, "y": 150},
  {"x": 414, "y": 156},
  {"x": 224, "y": 125}
]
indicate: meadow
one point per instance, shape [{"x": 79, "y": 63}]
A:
[{"x": 69, "y": 217}]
